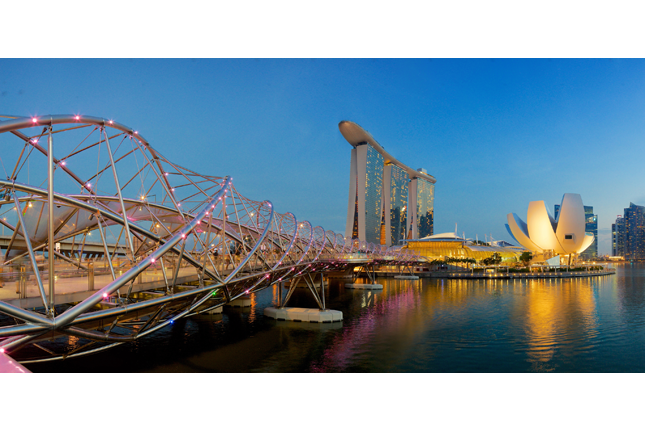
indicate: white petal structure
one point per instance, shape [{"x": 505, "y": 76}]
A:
[{"x": 565, "y": 235}]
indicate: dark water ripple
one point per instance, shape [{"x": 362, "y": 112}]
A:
[{"x": 581, "y": 325}]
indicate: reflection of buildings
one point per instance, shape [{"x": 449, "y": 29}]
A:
[
  {"x": 552, "y": 308},
  {"x": 628, "y": 233},
  {"x": 388, "y": 201}
]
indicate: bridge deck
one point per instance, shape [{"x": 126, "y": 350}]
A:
[{"x": 75, "y": 289}]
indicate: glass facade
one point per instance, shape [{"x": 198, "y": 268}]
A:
[
  {"x": 425, "y": 208},
  {"x": 373, "y": 195},
  {"x": 634, "y": 232},
  {"x": 398, "y": 204},
  {"x": 437, "y": 250},
  {"x": 591, "y": 226},
  {"x": 618, "y": 237}
]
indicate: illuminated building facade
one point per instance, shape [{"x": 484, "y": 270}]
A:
[
  {"x": 618, "y": 237},
  {"x": 630, "y": 233},
  {"x": 565, "y": 235},
  {"x": 388, "y": 201},
  {"x": 422, "y": 192},
  {"x": 591, "y": 226},
  {"x": 449, "y": 245},
  {"x": 396, "y": 220}
]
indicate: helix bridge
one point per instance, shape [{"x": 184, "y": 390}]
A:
[{"x": 109, "y": 241}]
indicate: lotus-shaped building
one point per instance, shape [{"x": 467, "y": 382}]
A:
[{"x": 542, "y": 234}]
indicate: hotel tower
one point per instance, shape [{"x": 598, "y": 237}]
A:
[{"x": 388, "y": 201}]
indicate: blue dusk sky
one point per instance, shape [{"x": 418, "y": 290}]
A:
[{"x": 495, "y": 133}]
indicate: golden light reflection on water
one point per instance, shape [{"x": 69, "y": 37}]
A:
[{"x": 559, "y": 315}]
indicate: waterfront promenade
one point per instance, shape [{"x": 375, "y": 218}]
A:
[{"x": 463, "y": 274}]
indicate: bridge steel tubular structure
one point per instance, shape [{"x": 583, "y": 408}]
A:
[{"x": 206, "y": 242}]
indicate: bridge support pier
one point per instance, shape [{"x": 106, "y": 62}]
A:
[
  {"x": 371, "y": 275},
  {"x": 304, "y": 315},
  {"x": 320, "y": 315}
]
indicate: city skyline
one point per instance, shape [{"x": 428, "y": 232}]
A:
[{"x": 494, "y": 133}]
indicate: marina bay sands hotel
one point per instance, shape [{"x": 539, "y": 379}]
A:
[{"x": 388, "y": 201}]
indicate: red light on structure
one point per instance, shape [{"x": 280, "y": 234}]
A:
[
  {"x": 105, "y": 295},
  {"x": 77, "y": 117},
  {"x": 1, "y": 350},
  {"x": 110, "y": 122},
  {"x": 34, "y": 120}
]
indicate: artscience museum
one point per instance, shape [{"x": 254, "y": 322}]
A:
[{"x": 547, "y": 237}]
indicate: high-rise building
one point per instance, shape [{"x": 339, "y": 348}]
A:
[
  {"x": 388, "y": 201},
  {"x": 591, "y": 226},
  {"x": 634, "y": 220},
  {"x": 618, "y": 237},
  {"x": 422, "y": 191},
  {"x": 396, "y": 219}
]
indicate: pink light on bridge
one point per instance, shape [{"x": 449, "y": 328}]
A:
[
  {"x": 77, "y": 117},
  {"x": 34, "y": 120}
]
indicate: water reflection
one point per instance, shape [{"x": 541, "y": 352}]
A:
[{"x": 430, "y": 325}]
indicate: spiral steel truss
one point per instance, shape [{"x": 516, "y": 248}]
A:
[{"x": 174, "y": 243}]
